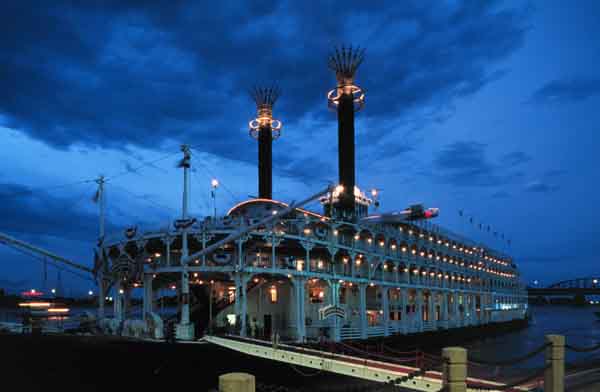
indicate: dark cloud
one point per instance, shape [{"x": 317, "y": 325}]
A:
[
  {"x": 567, "y": 90},
  {"x": 541, "y": 187},
  {"x": 12, "y": 285},
  {"x": 553, "y": 173},
  {"x": 500, "y": 195},
  {"x": 515, "y": 158},
  {"x": 36, "y": 213},
  {"x": 465, "y": 163},
  {"x": 118, "y": 73},
  {"x": 308, "y": 170}
]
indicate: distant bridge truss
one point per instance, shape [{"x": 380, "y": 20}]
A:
[{"x": 582, "y": 286}]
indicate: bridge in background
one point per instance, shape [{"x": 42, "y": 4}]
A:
[{"x": 571, "y": 287}]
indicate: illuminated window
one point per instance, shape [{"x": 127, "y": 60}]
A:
[
  {"x": 316, "y": 295},
  {"x": 273, "y": 294}
]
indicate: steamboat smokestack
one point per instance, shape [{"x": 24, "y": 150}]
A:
[
  {"x": 265, "y": 129},
  {"x": 346, "y": 98}
]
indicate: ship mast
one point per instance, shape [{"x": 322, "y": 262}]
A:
[
  {"x": 185, "y": 329},
  {"x": 99, "y": 197}
]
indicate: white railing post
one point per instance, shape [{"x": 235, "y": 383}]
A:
[
  {"x": 237, "y": 382},
  {"x": 454, "y": 369},
  {"x": 554, "y": 376}
]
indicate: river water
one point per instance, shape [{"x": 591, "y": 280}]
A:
[{"x": 579, "y": 325}]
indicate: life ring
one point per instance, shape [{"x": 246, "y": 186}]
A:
[
  {"x": 221, "y": 258},
  {"x": 320, "y": 232},
  {"x": 227, "y": 221},
  {"x": 130, "y": 232}
]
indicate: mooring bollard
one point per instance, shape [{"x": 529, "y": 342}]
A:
[
  {"x": 554, "y": 376},
  {"x": 237, "y": 382},
  {"x": 454, "y": 369}
]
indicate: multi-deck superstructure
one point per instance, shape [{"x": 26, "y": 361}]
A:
[{"x": 267, "y": 267}]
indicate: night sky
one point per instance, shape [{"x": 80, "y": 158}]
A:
[{"x": 487, "y": 107}]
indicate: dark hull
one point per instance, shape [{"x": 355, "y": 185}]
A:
[{"x": 103, "y": 363}]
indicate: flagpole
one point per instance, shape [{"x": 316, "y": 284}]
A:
[{"x": 100, "y": 198}]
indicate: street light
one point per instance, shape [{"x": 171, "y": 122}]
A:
[
  {"x": 90, "y": 292},
  {"x": 214, "y": 183}
]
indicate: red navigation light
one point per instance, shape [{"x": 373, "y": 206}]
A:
[{"x": 32, "y": 293}]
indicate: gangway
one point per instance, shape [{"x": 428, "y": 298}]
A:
[{"x": 366, "y": 369}]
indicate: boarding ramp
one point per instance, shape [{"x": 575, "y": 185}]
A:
[{"x": 390, "y": 373}]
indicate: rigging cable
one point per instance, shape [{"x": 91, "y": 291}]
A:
[
  {"x": 211, "y": 175},
  {"x": 147, "y": 163},
  {"x": 53, "y": 263},
  {"x": 142, "y": 197},
  {"x": 33, "y": 190}
]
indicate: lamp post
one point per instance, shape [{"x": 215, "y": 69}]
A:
[
  {"x": 210, "y": 299},
  {"x": 214, "y": 184}
]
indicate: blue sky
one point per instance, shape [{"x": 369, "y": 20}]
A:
[{"x": 486, "y": 107}]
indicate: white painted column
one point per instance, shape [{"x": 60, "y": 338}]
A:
[
  {"x": 419, "y": 310},
  {"x": 362, "y": 292},
  {"x": 307, "y": 261},
  {"x": 385, "y": 305},
  {"x": 474, "y": 320},
  {"x": 273, "y": 251},
  {"x": 118, "y": 302},
  {"x": 432, "y": 309},
  {"x": 148, "y": 296},
  {"x": 101, "y": 293},
  {"x": 458, "y": 314},
  {"x": 334, "y": 299},
  {"x": 444, "y": 309},
  {"x": 244, "y": 305},
  {"x": 299, "y": 291},
  {"x": 403, "y": 314}
]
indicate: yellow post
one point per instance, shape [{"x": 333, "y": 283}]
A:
[
  {"x": 454, "y": 369},
  {"x": 237, "y": 382},
  {"x": 554, "y": 376}
]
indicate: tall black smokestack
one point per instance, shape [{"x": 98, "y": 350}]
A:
[
  {"x": 265, "y": 129},
  {"x": 346, "y": 98}
]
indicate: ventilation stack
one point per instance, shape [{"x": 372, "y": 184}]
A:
[
  {"x": 346, "y": 98},
  {"x": 265, "y": 129}
]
